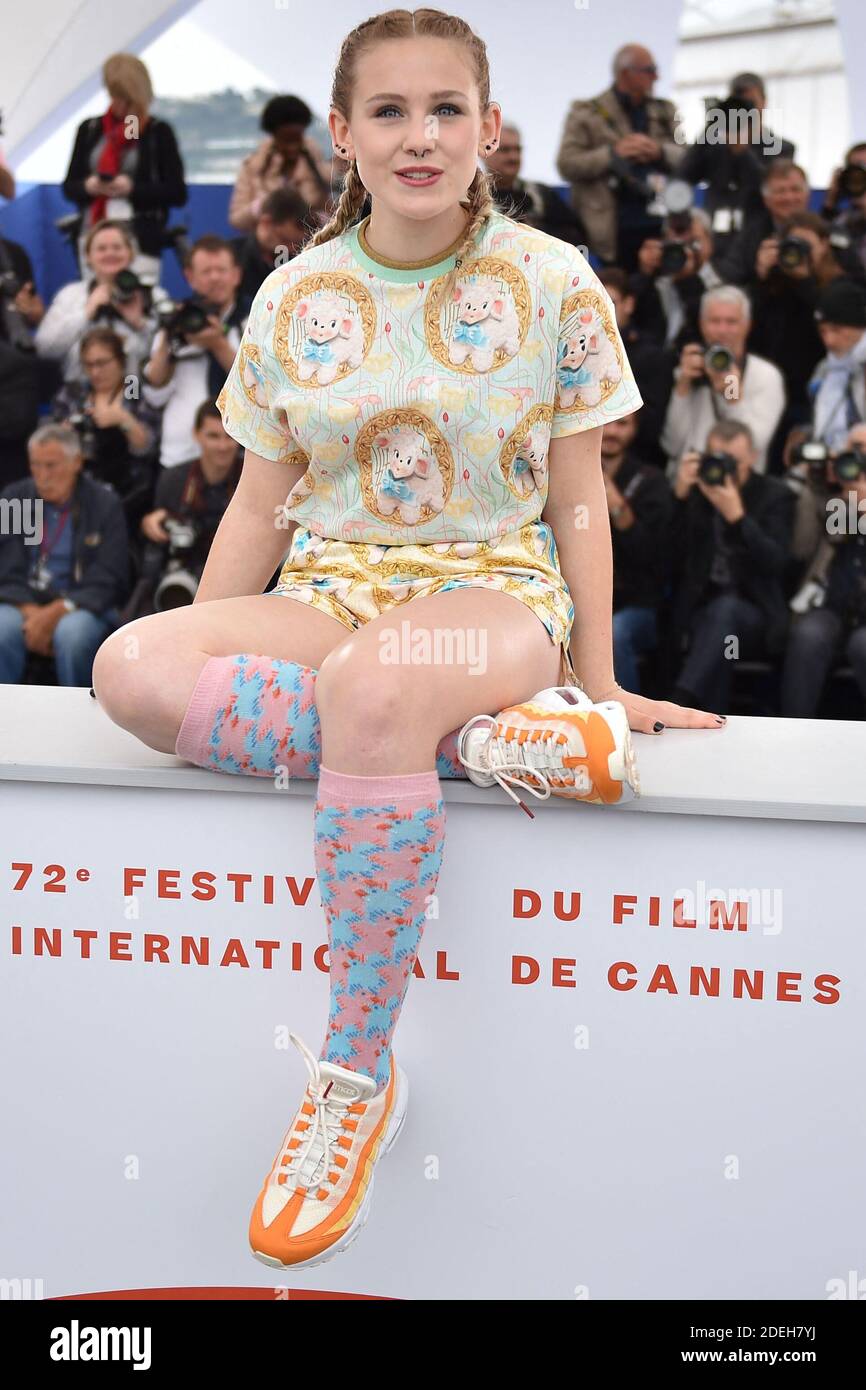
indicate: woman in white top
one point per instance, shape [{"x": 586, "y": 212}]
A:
[{"x": 78, "y": 306}]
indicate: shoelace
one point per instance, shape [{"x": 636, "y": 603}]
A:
[
  {"x": 325, "y": 1128},
  {"x": 508, "y": 769}
]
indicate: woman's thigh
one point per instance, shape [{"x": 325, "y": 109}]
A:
[
  {"x": 145, "y": 672},
  {"x": 389, "y": 692}
]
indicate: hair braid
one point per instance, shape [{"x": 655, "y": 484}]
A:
[
  {"x": 347, "y": 209},
  {"x": 480, "y": 204}
]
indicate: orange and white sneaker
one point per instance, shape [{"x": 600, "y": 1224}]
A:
[
  {"x": 558, "y": 743},
  {"x": 317, "y": 1195}
]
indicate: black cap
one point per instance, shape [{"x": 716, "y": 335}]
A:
[{"x": 843, "y": 302}]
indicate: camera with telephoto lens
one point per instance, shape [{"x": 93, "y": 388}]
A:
[
  {"x": 714, "y": 468},
  {"x": 815, "y": 455},
  {"x": 126, "y": 284},
  {"x": 623, "y": 178},
  {"x": 794, "y": 252},
  {"x": 678, "y": 198},
  {"x": 852, "y": 181},
  {"x": 675, "y": 255},
  {"x": 176, "y": 579},
  {"x": 180, "y": 320},
  {"x": 718, "y": 358},
  {"x": 82, "y": 423},
  {"x": 849, "y": 465}
]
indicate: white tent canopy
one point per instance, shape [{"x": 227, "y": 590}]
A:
[
  {"x": 50, "y": 61},
  {"x": 51, "y": 57}
]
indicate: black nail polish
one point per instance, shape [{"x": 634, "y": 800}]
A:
[{"x": 657, "y": 726}]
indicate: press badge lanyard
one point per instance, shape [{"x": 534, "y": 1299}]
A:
[{"x": 43, "y": 574}]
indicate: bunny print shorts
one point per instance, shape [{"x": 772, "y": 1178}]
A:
[{"x": 354, "y": 581}]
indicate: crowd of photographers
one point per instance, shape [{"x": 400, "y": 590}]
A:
[{"x": 733, "y": 494}]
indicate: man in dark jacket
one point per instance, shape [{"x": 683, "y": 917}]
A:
[
  {"x": 284, "y": 223},
  {"x": 640, "y": 505},
  {"x": 537, "y": 204},
  {"x": 784, "y": 193},
  {"x": 730, "y": 547},
  {"x": 653, "y": 368},
  {"x": 731, "y": 157},
  {"x": 64, "y": 561}
]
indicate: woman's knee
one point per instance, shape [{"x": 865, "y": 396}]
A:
[
  {"x": 122, "y": 676},
  {"x": 357, "y": 691}
]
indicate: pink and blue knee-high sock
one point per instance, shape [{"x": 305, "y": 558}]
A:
[
  {"x": 378, "y": 851},
  {"x": 254, "y": 714}
]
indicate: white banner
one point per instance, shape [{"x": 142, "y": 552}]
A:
[{"x": 612, "y": 1096}]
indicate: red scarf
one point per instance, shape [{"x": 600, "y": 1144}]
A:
[{"x": 113, "y": 128}]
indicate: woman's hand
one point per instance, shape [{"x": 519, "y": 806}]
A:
[
  {"x": 98, "y": 297},
  {"x": 644, "y": 714},
  {"x": 107, "y": 413}
]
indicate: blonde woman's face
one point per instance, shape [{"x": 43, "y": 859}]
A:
[
  {"x": 416, "y": 103},
  {"x": 109, "y": 253}
]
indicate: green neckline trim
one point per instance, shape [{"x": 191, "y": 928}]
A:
[{"x": 398, "y": 275}]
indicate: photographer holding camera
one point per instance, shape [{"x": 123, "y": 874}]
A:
[
  {"x": 118, "y": 434},
  {"x": 673, "y": 274},
  {"x": 718, "y": 380},
  {"x": 190, "y": 501},
  {"x": 111, "y": 295},
  {"x": 196, "y": 346},
  {"x": 732, "y": 155},
  {"x": 730, "y": 541},
  {"x": 616, "y": 151},
  {"x": 845, "y": 202},
  {"x": 784, "y": 192},
  {"x": 829, "y": 608},
  {"x": 791, "y": 271}
]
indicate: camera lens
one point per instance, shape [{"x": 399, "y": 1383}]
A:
[{"x": 718, "y": 358}]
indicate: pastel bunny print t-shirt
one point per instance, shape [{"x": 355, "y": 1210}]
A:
[{"x": 421, "y": 420}]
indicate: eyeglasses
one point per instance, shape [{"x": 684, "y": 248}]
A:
[
  {"x": 649, "y": 68},
  {"x": 99, "y": 362}
]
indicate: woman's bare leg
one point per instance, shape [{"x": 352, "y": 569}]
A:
[
  {"x": 145, "y": 672},
  {"x": 386, "y": 716}
]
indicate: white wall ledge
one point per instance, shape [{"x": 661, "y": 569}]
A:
[{"x": 790, "y": 769}]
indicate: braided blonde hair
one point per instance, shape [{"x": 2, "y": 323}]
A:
[{"x": 401, "y": 24}]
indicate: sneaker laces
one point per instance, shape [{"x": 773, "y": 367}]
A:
[
  {"x": 324, "y": 1128},
  {"x": 511, "y": 761}
]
